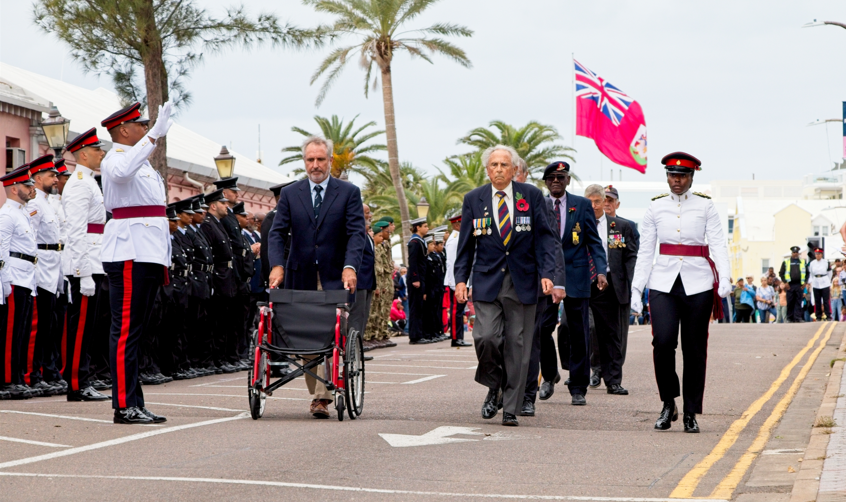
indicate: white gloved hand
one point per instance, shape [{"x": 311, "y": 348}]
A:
[
  {"x": 7, "y": 289},
  {"x": 87, "y": 286},
  {"x": 163, "y": 122},
  {"x": 637, "y": 303},
  {"x": 725, "y": 288}
]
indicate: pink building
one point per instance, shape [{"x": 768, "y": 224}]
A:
[{"x": 26, "y": 98}]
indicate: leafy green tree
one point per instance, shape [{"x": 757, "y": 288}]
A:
[
  {"x": 149, "y": 47},
  {"x": 377, "y": 26},
  {"x": 464, "y": 173},
  {"x": 535, "y": 142},
  {"x": 350, "y": 152}
]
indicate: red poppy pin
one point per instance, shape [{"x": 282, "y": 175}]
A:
[
  {"x": 613, "y": 224},
  {"x": 522, "y": 205},
  {"x": 572, "y": 209}
]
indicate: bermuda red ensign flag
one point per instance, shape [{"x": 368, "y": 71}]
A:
[{"x": 612, "y": 119}]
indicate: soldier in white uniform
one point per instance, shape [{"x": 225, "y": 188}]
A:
[
  {"x": 686, "y": 281},
  {"x": 18, "y": 255},
  {"x": 136, "y": 249},
  {"x": 85, "y": 216},
  {"x": 820, "y": 272},
  {"x": 48, "y": 274}
]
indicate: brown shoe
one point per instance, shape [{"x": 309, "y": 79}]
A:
[{"x": 319, "y": 408}]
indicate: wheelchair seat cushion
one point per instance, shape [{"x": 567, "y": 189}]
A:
[{"x": 305, "y": 320}]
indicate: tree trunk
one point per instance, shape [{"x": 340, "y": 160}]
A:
[
  {"x": 393, "y": 158},
  {"x": 155, "y": 79}
]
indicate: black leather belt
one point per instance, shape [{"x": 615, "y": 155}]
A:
[
  {"x": 206, "y": 268},
  {"x": 2, "y": 264},
  {"x": 26, "y": 257},
  {"x": 52, "y": 247},
  {"x": 228, "y": 264},
  {"x": 820, "y": 275}
]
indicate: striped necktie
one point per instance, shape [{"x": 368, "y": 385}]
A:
[{"x": 504, "y": 219}]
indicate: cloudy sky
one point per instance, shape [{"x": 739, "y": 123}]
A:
[{"x": 734, "y": 83}]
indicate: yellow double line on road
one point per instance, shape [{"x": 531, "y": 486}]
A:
[{"x": 726, "y": 487}]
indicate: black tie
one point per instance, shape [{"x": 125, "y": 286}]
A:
[{"x": 318, "y": 200}]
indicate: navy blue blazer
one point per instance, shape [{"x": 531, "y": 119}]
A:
[
  {"x": 326, "y": 245},
  {"x": 366, "y": 275},
  {"x": 579, "y": 210},
  {"x": 527, "y": 255}
]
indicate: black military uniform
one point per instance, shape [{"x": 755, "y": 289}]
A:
[
  {"x": 433, "y": 324},
  {"x": 416, "y": 273},
  {"x": 197, "y": 323},
  {"x": 225, "y": 286},
  {"x": 177, "y": 295},
  {"x": 246, "y": 272},
  {"x": 793, "y": 271}
]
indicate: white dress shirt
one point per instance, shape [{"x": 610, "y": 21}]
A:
[
  {"x": 821, "y": 268},
  {"x": 82, "y": 202},
  {"x": 509, "y": 201},
  {"x": 562, "y": 210},
  {"x": 451, "y": 250},
  {"x": 324, "y": 184},
  {"x": 17, "y": 235},
  {"x": 686, "y": 219},
  {"x": 129, "y": 180},
  {"x": 45, "y": 223},
  {"x": 602, "y": 227}
]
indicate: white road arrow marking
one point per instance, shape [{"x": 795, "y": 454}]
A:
[{"x": 436, "y": 436}]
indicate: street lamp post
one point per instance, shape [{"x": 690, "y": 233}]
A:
[
  {"x": 56, "y": 130},
  {"x": 422, "y": 208},
  {"x": 225, "y": 163},
  {"x": 823, "y": 23}
]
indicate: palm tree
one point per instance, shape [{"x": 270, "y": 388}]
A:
[
  {"x": 378, "y": 189},
  {"x": 534, "y": 142},
  {"x": 466, "y": 172},
  {"x": 377, "y": 24},
  {"x": 350, "y": 152}
]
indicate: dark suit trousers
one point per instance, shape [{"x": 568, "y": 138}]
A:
[
  {"x": 51, "y": 366},
  {"x": 16, "y": 322},
  {"x": 415, "y": 313},
  {"x": 576, "y": 351},
  {"x": 822, "y": 303},
  {"x": 606, "y": 318},
  {"x": 199, "y": 332},
  {"x": 502, "y": 336},
  {"x": 692, "y": 313},
  {"x": 795, "y": 295},
  {"x": 546, "y": 317}
]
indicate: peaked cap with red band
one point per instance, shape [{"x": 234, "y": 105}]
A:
[
  {"x": 131, "y": 113},
  {"x": 818, "y": 250},
  {"x": 19, "y": 175},
  {"x": 88, "y": 138},
  {"x": 680, "y": 162},
  {"x": 42, "y": 164},
  {"x": 60, "y": 167}
]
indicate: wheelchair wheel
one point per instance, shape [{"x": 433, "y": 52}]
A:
[
  {"x": 339, "y": 407},
  {"x": 257, "y": 396},
  {"x": 354, "y": 374}
]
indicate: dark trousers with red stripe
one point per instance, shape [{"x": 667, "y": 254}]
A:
[
  {"x": 51, "y": 365},
  {"x": 99, "y": 346},
  {"x": 668, "y": 312},
  {"x": 80, "y": 326},
  {"x": 132, "y": 292},
  {"x": 456, "y": 316},
  {"x": 37, "y": 343},
  {"x": 15, "y": 325}
]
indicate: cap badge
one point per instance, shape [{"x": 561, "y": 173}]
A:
[{"x": 678, "y": 162}]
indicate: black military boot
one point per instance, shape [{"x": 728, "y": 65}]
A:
[{"x": 668, "y": 415}]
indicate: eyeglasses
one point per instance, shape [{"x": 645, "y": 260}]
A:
[{"x": 557, "y": 177}]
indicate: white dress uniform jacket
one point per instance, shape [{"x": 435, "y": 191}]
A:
[
  {"x": 82, "y": 202},
  {"x": 686, "y": 219},
  {"x": 820, "y": 273},
  {"x": 129, "y": 181},
  {"x": 56, "y": 204},
  {"x": 451, "y": 249},
  {"x": 45, "y": 222},
  {"x": 17, "y": 235}
]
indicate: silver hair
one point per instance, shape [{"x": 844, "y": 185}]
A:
[
  {"x": 595, "y": 190},
  {"x": 486, "y": 155},
  {"x": 320, "y": 140},
  {"x": 522, "y": 166}
]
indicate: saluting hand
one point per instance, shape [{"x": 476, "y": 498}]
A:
[{"x": 277, "y": 273}]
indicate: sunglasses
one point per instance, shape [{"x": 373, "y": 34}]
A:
[{"x": 557, "y": 177}]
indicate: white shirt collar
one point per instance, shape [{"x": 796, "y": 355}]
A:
[
  {"x": 682, "y": 197},
  {"x": 509, "y": 191},
  {"x": 602, "y": 220},
  {"x": 324, "y": 184},
  {"x": 84, "y": 170}
]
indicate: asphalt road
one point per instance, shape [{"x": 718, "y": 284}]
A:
[{"x": 211, "y": 450}]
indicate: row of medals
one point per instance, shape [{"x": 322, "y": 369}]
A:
[{"x": 488, "y": 231}]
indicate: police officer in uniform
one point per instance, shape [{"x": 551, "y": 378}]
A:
[
  {"x": 85, "y": 219},
  {"x": 202, "y": 264},
  {"x": 135, "y": 251},
  {"x": 18, "y": 255},
  {"x": 688, "y": 278},
  {"x": 175, "y": 295},
  {"x": 416, "y": 279},
  {"x": 247, "y": 270},
  {"x": 793, "y": 273}
]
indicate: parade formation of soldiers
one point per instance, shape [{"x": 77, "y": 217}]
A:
[{"x": 107, "y": 286}]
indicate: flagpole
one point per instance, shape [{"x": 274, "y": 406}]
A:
[{"x": 573, "y": 91}]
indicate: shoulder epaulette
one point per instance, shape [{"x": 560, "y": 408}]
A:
[
  {"x": 119, "y": 150},
  {"x": 702, "y": 195},
  {"x": 659, "y": 196},
  {"x": 79, "y": 175}
]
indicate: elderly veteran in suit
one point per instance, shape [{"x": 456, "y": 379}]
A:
[
  {"x": 326, "y": 216},
  {"x": 505, "y": 227}
]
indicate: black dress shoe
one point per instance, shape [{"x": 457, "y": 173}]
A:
[
  {"x": 32, "y": 392},
  {"x": 86, "y": 394},
  {"x": 509, "y": 419},
  {"x": 547, "y": 389},
  {"x": 461, "y": 343},
  {"x": 16, "y": 391},
  {"x": 60, "y": 389},
  {"x": 668, "y": 415},
  {"x": 228, "y": 368},
  {"x": 595, "y": 379},
  {"x": 528, "y": 409},
  {"x": 4, "y": 395},
  {"x": 157, "y": 419},
  {"x": 133, "y": 415},
  {"x": 100, "y": 385},
  {"x": 491, "y": 404},
  {"x": 162, "y": 379},
  {"x": 46, "y": 390},
  {"x": 579, "y": 400},
  {"x": 567, "y": 382},
  {"x": 617, "y": 389},
  {"x": 690, "y": 424}
]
